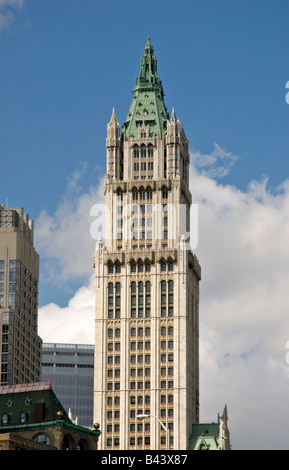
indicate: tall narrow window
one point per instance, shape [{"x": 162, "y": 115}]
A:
[
  {"x": 163, "y": 298},
  {"x": 133, "y": 300},
  {"x": 140, "y": 299},
  {"x": 171, "y": 298}
]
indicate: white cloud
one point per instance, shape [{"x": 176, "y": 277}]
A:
[
  {"x": 72, "y": 324},
  {"x": 244, "y": 323},
  {"x": 64, "y": 239},
  {"x": 8, "y": 9},
  {"x": 216, "y": 164}
]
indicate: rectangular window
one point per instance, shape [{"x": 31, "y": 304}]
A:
[
  {"x": 13, "y": 287},
  {"x": 14, "y": 265},
  {"x": 13, "y": 300}
]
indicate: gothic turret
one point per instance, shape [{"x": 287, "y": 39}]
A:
[{"x": 113, "y": 147}]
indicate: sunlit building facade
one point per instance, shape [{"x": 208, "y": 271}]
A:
[
  {"x": 146, "y": 385},
  {"x": 20, "y": 353}
]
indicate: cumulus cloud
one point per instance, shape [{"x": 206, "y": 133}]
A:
[
  {"x": 64, "y": 239},
  {"x": 71, "y": 324},
  {"x": 244, "y": 323},
  {"x": 216, "y": 164}
]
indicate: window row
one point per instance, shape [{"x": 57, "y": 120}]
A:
[
  {"x": 133, "y": 441},
  {"x": 143, "y": 166},
  {"x": 140, "y": 372},
  {"x": 139, "y": 400},
  {"x": 140, "y": 345},
  {"x": 140, "y": 385},
  {"x": 143, "y": 151},
  {"x": 140, "y": 268},
  {"x": 111, "y": 332},
  {"x": 140, "y": 359},
  {"x": 114, "y": 269},
  {"x": 142, "y": 195},
  {"x": 140, "y": 331},
  {"x": 141, "y": 285},
  {"x": 141, "y": 299},
  {"x": 23, "y": 417}
]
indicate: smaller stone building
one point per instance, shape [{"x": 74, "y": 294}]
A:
[{"x": 32, "y": 418}]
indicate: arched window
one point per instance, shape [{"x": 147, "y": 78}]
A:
[
  {"x": 5, "y": 418},
  {"x": 82, "y": 445},
  {"x": 42, "y": 437},
  {"x": 171, "y": 330},
  {"x": 66, "y": 443},
  {"x": 23, "y": 417}
]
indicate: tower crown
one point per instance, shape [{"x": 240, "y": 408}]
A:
[{"x": 147, "y": 108}]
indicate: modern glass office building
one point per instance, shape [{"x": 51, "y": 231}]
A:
[{"x": 70, "y": 368}]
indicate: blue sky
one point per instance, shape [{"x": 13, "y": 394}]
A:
[
  {"x": 224, "y": 66},
  {"x": 65, "y": 64}
]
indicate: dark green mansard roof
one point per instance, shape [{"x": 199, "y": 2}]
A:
[
  {"x": 147, "y": 107},
  {"x": 34, "y": 406}
]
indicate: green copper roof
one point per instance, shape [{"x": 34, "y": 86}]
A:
[
  {"x": 204, "y": 436},
  {"x": 147, "y": 107}
]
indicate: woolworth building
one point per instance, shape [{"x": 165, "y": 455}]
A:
[{"x": 146, "y": 390}]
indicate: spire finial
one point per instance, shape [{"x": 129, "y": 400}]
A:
[
  {"x": 113, "y": 117},
  {"x": 148, "y": 45},
  {"x": 173, "y": 115}
]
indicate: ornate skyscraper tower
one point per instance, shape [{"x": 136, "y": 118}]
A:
[{"x": 147, "y": 280}]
